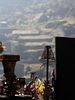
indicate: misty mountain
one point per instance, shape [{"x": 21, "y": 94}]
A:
[
  {"x": 27, "y": 26},
  {"x": 56, "y": 6}
]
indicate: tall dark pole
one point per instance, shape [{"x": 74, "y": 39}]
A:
[
  {"x": 47, "y": 56},
  {"x": 47, "y": 69},
  {"x": 47, "y": 48}
]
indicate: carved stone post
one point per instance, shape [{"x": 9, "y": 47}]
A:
[{"x": 9, "y": 62}]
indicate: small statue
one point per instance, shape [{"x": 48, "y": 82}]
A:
[{"x": 1, "y": 47}]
